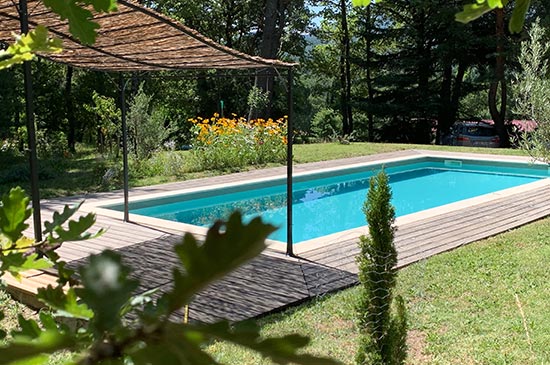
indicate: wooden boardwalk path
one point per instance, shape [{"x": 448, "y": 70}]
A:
[{"x": 273, "y": 280}]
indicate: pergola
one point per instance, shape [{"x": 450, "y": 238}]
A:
[{"x": 134, "y": 38}]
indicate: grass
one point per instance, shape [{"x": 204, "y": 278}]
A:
[
  {"x": 462, "y": 307},
  {"x": 83, "y": 172},
  {"x": 329, "y": 151},
  {"x": 58, "y": 177}
]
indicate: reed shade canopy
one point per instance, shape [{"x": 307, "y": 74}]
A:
[{"x": 134, "y": 38}]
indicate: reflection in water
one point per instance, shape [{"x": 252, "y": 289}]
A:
[
  {"x": 333, "y": 207},
  {"x": 273, "y": 207}
]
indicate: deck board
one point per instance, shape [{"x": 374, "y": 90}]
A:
[{"x": 272, "y": 280}]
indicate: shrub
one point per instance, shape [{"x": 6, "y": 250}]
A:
[
  {"x": 107, "y": 129},
  {"x": 50, "y": 144},
  {"x": 382, "y": 334},
  {"x": 146, "y": 125},
  {"x": 326, "y": 123},
  {"x": 224, "y": 143},
  {"x": 532, "y": 89}
]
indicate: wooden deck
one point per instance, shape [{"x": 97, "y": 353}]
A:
[{"x": 273, "y": 281}]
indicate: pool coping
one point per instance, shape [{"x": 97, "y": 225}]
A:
[{"x": 328, "y": 240}]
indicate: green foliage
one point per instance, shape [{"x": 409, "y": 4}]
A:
[
  {"x": 16, "y": 250},
  {"x": 383, "y": 335},
  {"x": 326, "y": 123},
  {"x": 361, "y": 2},
  {"x": 257, "y": 99},
  {"x": 51, "y": 144},
  {"x": 532, "y": 89},
  {"x": 14, "y": 213},
  {"x": 77, "y": 230},
  {"x": 108, "y": 122},
  {"x": 480, "y": 7},
  {"x": 79, "y": 16},
  {"x": 25, "y": 46},
  {"x": 81, "y": 27},
  {"x": 105, "y": 294},
  {"x": 146, "y": 127},
  {"x": 64, "y": 302},
  {"x": 221, "y": 253},
  {"x": 106, "y": 288}
]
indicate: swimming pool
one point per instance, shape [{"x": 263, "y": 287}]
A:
[{"x": 331, "y": 201}]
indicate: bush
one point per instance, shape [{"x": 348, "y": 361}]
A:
[
  {"x": 223, "y": 143},
  {"x": 50, "y": 144},
  {"x": 162, "y": 163},
  {"x": 326, "y": 123},
  {"x": 532, "y": 89},
  {"x": 106, "y": 130},
  {"x": 146, "y": 125}
]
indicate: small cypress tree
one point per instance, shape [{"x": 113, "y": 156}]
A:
[{"x": 382, "y": 334}]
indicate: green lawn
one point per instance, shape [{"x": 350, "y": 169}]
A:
[
  {"x": 462, "y": 307},
  {"x": 330, "y": 151}
]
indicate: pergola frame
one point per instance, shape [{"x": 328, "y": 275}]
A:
[{"x": 194, "y": 51}]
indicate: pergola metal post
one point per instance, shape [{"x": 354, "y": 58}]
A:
[
  {"x": 122, "y": 86},
  {"x": 290, "y": 133},
  {"x": 29, "y": 110}
]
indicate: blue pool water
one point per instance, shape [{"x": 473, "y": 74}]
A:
[{"x": 332, "y": 202}]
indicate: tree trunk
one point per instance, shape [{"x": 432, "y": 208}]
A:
[
  {"x": 369, "y": 75},
  {"x": 229, "y": 24},
  {"x": 443, "y": 120},
  {"x": 457, "y": 89},
  {"x": 69, "y": 105},
  {"x": 345, "y": 74},
  {"x": 499, "y": 83},
  {"x": 424, "y": 64},
  {"x": 274, "y": 20}
]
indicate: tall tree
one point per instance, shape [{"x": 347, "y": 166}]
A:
[
  {"x": 272, "y": 30},
  {"x": 10, "y": 94},
  {"x": 345, "y": 72},
  {"x": 282, "y": 27},
  {"x": 499, "y": 83},
  {"x": 400, "y": 68},
  {"x": 368, "y": 49},
  {"x": 335, "y": 54}
]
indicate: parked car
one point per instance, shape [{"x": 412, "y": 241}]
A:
[{"x": 474, "y": 134}]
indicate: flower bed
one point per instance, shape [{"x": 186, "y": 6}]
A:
[{"x": 229, "y": 143}]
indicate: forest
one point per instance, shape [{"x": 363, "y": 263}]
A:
[{"x": 397, "y": 71}]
